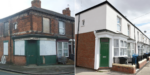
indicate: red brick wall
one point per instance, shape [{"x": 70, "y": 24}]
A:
[
  {"x": 19, "y": 60},
  {"x": 86, "y": 50},
  {"x": 142, "y": 64},
  {"x": 28, "y": 23},
  {"x": 131, "y": 70}
]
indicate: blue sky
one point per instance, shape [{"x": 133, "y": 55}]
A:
[{"x": 134, "y": 10}]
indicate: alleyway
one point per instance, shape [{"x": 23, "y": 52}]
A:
[{"x": 84, "y": 71}]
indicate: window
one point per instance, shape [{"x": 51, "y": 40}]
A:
[
  {"x": 118, "y": 24},
  {"x": 83, "y": 22},
  {"x": 120, "y": 49},
  {"x": 5, "y": 47},
  {"x": 123, "y": 50},
  {"x": 46, "y": 25},
  {"x": 47, "y": 47},
  {"x": 138, "y": 36},
  {"x": 131, "y": 49},
  {"x": 19, "y": 47},
  {"x": 116, "y": 47},
  {"x": 6, "y": 29},
  {"x": 128, "y": 30},
  {"x": 62, "y": 49},
  {"x": 61, "y": 28},
  {"x": 15, "y": 26}
]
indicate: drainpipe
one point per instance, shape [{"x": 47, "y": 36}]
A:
[
  {"x": 10, "y": 42},
  {"x": 72, "y": 41},
  {"x": 77, "y": 38}
]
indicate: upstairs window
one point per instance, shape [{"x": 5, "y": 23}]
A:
[
  {"x": 118, "y": 24},
  {"x": 15, "y": 26},
  {"x": 128, "y": 30},
  {"x": 83, "y": 22},
  {"x": 61, "y": 28},
  {"x": 6, "y": 29},
  {"x": 46, "y": 25},
  {"x": 138, "y": 36}
]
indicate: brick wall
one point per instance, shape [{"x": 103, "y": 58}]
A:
[
  {"x": 26, "y": 23},
  {"x": 86, "y": 50}
]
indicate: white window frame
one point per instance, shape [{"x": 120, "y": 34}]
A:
[
  {"x": 119, "y": 47},
  {"x": 5, "y": 52},
  {"x": 63, "y": 48},
  {"x": 118, "y": 24},
  {"x": 62, "y": 28},
  {"x": 128, "y": 30}
]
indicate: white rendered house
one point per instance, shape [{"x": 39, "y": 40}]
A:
[{"x": 102, "y": 33}]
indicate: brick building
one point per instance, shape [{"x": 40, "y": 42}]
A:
[
  {"x": 36, "y": 36},
  {"x": 103, "y": 33}
]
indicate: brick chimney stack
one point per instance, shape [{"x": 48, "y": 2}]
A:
[
  {"x": 36, "y": 3},
  {"x": 66, "y": 11}
]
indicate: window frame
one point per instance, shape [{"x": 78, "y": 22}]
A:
[
  {"x": 43, "y": 25},
  {"x": 4, "y": 33},
  {"x": 62, "y": 28},
  {"x": 8, "y": 47},
  {"x": 119, "y": 48},
  {"x": 129, "y": 30},
  {"x": 15, "y": 26},
  {"x": 62, "y": 43},
  {"x": 118, "y": 18}
]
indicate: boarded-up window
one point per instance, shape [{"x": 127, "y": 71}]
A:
[
  {"x": 61, "y": 28},
  {"x": 19, "y": 47},
  {"x": 62, "y": 49},
  {"x": 6, "y": 29},
  {"x": 46, "y": 25},
  {"x": 5, "y": 48},
  {"x": 47, "y": 47}
]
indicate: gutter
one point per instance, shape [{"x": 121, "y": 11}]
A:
[{"x": 77, "y": 38}]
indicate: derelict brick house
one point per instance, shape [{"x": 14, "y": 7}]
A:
[
  {"x": 36, "y": 36},
  {"x": 102, "y": 33}
]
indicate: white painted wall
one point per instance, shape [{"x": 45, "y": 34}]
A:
[
  {"x": 95, "y": 19},
  {"x": 111, "y": 22}
]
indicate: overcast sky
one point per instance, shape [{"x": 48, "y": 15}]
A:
[
  {"x": 9, "y": 7},
  {"x": 129, "y": 8}
]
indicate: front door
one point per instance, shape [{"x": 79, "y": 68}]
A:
[
  {"x": 31, "y": 51},
  {"x": 104, "y": 52}
]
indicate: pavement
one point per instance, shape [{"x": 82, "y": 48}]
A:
[
  {"x": 39, "y": 70},
  {"x": 85, "y": 71}
]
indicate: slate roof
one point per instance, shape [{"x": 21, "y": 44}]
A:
[{"x": 43, "y": 11}]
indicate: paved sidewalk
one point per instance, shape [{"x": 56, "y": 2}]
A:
[
  {"x": 33, "y": 69},
  {"x": 84, "y": 71}
]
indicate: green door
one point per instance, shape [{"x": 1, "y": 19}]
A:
[
  {"x": 31, "y": 52},
  {"x": 104, "y": 52}
]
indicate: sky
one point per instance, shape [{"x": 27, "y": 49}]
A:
[
  {"x": 10, "y": 7},
  {"x": 137, "y": 11}
]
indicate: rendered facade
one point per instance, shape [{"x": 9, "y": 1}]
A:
[{"x": 102, "y": 33}]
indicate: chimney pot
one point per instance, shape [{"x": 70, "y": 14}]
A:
[
  {"x": 66, "y": 11},
  {"x": 36, "y": 3}
]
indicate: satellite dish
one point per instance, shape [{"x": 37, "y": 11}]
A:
[{"x": 144, "y": 31}]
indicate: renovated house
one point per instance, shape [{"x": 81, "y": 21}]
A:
[
  {"x": 36, "y": 36},
  {"x": 102, "y": 33}
]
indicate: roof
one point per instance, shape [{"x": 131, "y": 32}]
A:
[
  {"x": 43, "y": 11},
  {"x": 106, "y": 2}
]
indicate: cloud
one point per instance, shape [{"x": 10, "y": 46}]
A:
[{"x": 9, "y": 7}]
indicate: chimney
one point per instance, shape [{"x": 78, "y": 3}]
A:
[
  {"x": 36, "y": 3},
  {"x": 66, "y": 11}
]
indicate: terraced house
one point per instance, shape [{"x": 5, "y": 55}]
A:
[
  {"x": 36, "y": 36},
  {"x": 103, "y": 33}
]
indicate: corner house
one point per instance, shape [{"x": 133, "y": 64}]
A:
[{"x": 103, "y": 33}]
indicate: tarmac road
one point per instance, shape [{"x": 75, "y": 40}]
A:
[{"x": 2, "y": 72}]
